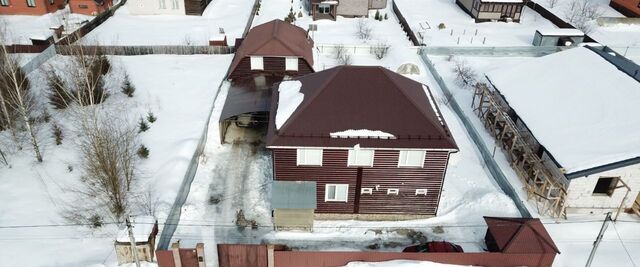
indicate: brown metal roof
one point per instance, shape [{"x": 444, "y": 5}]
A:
[
  {"x": 359, "y": 97},
  {"x": 520, "y": 235},
  {"x": 275, "y": 38}
]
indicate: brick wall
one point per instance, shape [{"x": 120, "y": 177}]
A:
[{"x": 580, "y": 198}]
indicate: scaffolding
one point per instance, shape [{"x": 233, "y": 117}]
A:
[{"x": 548, "y": 191}]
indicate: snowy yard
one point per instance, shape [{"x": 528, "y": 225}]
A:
[
  {"x": 126, "y": 29},
  {"x": 574, "y": 237},
  {"x": 20, "y": 28},
  {"x": 461, "y": 29},
  {"x": 177, "y": 89}
]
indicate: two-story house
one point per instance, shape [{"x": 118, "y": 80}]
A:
[
  {"x": 324, "y": 9},
  {"x": 372, "y": 142},
  {"x": 30, "y": 7}
]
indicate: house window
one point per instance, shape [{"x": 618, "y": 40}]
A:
[
  {"x": 291, "y": 63},
  {"x": 51, "y": 2},
  {"x": 366, "y": 191},
  {"x": 422, "y": 192},
  {"x": 31, "y": 3},
  {"x": 83, "y": 6},
  {"x": 393, "y": 191},
  {"x": 476, "y": 4},
  {"x": 174, "y": 4},
  {"x": 324, "y": 9},
  {"x": 4, "y": 2},
  {"x": 162, "y": 4},
  {"x": 606, "y": 186},
  {"x": 257, "y": 63},
  {"x": 411, "y": 158},
  {"x": 360, "y": 157},
  {"x": 336, "y": 192},
  {"x": 311, "y": 157}
]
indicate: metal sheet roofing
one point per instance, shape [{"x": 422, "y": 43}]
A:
[{"x": 293, "y": 195}]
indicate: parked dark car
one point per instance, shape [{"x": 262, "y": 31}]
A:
[{"x": 436, "y": 246}]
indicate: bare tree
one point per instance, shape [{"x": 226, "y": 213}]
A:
[
  {"x": 552, "y": 3},
  {"x": 363, "y": 29},
  {"x": 17, "y": 98},
  {"x": 465, "y": 75},
  {"x": 380, "y": 50},
  {"x": 581, "y": 13},
  {"x": 107, "y": 144},
  {"x": 341, "y": 54}
]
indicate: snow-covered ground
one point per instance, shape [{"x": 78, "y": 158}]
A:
[
  {"x": 624, "y": 38},
  {"x": 126, "y": 29},
  {"x": 20, "y": 28},
  {"x": 177, "y": 89},
  {"x": 574, "y": 237},
  {"x": 461, "y": 29}
]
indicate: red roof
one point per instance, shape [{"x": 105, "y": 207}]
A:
[
  {"x": 275, "y": 38},
  {"x": 359, "y": 97},
  {"x": 520, "y": 235}
]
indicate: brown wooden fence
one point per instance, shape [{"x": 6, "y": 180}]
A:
[
  {"x": 553, "y": 18},
  {"x": 405, "y": 25},
  {"x": 127, "y": 50},
  {"x": 31, "y": 49},
  {"x": 232, "y": 255}
]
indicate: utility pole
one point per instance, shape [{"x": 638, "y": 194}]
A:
[
  {"x": 599, "y": 238},
  {"x": 134, "y": 248}
]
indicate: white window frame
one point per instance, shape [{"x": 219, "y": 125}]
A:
[
  {"x": 302, "y": 157},
  {"x": 324, "y": 8},
  {"x": 31, "y": 3},
  {"x": 406, "y": 153},
  {"x": 366, "y": 191},
  {"x": 422, "y": 191},
  {"x": 353, "y": 158},
  {"x": 175, "y": 4},
  {"x": 393, "y": 191},
  {"x": 291, "y": 63},
  {"x": 336, "y": 198},
  {"x": 257, "y": 63},
  {"x": 162, "y": 4},
  {"x": 4, "y": 2}
]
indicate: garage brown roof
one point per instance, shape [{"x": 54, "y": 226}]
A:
[
  {"x": 520, "y": 235},
  {"x": 275, "y": 38},
  {"x": 361, "y": 97}
]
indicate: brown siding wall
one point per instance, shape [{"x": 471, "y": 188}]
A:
[
  {"x": 322, "y": 259},
  {"x": 272, "y": 65},
  {"x": 89, "y": 7},
  {"x": 628, "y": 8},
  {"x": 385, "y": 173},
  {"x": 19, "y": 7}
]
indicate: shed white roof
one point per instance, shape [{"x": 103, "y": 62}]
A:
[
  {"x": 580, "y": 107},
  {"x": 561, "y": 32}
]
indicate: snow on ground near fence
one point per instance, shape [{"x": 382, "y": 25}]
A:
[
  {"x": 399, "y": 263},
  {"x": 341, "y": 31},
  {"x": 20, "y": 28},
  {"x": 425, "y": 17},
  {"x": 177, "y": 89},
  {"x": 126, "y": 29},
  {"x": 233, "y": 177},
  {"x": 574, "y": 237}
]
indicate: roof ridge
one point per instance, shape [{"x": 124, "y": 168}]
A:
[{"x": 413, "y": 101}]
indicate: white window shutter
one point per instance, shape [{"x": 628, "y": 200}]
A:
[{"x": 257, "y": 63}]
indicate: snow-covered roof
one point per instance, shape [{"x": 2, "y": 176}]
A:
[
  {"x": 362, "y": 133},
  {"x": 561, "y": 32},
  {"x": 580, "y": 107},
  {"x": 142, "y": 228},
  {"x": 399, "y": 263},
  {"x": 289, "y": 100},
  {"x": 501, "y": 1}
]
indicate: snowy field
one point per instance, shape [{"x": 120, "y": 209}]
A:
[
  {"x": 177, "y": 89},
  {"x": 234, "y": 177},
  {"x": 424, "y": 19},
  {"x": 574, "y": 237},
  {"x": 343, "y": 30},
  {"x": 126, "y": 29},
  {"x": 20, "y": 28}
]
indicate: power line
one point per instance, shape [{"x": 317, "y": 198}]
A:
[{"x": 623, "y": 245}]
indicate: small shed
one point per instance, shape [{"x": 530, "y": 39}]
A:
[
  {"x": 558, "y": 37},
  {"x": 520, "y": 236},
  {"x": 145, "y": 229},
  {"x": 293, "y": 203}
]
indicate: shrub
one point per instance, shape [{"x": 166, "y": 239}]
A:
[
  {"x": 380, "y": 50},
  {"x": 57, "y": 134},
  {"x": 151, "y": 118},
  {"x": 142, "y": 126},
  {"x": 441, "y": 26},
  {"x": 386, "y": 16},
  {"x": 377, "y": 16},
  {"x": 128, "y": 88},
  {"x": 59, "y": 96},
  {"x": 143, "y": 152}
]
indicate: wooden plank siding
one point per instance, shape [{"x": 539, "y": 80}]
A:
[
  {"x": 385, "y": 173},
  {"x": 272, "y": 65}
]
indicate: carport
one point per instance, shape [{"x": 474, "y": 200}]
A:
[{"x": 245, "y": 115}]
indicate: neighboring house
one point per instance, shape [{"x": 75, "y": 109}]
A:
[
  {"x": 273, "y": 48},
  {"x": 327, "y": 9},
  {"x": 30, "y": 7},
  {"x": 570, "y": 120},
  {"x": 520, "y": 236},
  {"x": 167, "y": 7},
  {"x": 493, "y": 10},
  {"x": 629, "y": 8},
  {"x": 145, "y": 229},
  {"x": 373, "y": 141},
  {"x": 89, "y": 7}
]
